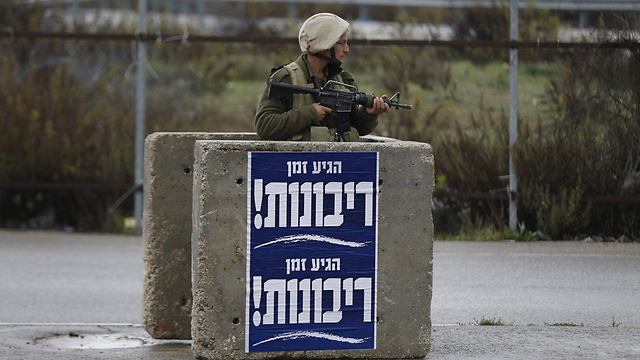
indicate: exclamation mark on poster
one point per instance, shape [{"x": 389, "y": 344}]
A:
[
  {"x": 257, "y": 295},
  {"x": 257, "y": 198}
]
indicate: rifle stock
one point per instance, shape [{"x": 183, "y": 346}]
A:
[{"x": 280, "y": 89}]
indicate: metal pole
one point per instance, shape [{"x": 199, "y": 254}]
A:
[
  {"x": 513, "y": 115},
  {"x": 140, "y": 110},
  {"x": 200, "y": 8}
]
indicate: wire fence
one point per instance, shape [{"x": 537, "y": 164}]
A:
[
  {"x": 271, "y": 40},
  {"x": 177, "y": 39},
  {"x": 186, "y": 38}
]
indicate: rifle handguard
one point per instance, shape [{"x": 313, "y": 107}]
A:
[
  {"x": 367, "y": 100},
  {"x": 278, "y": 89}
]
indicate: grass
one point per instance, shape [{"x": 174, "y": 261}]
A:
[
  {"x": 238, "y": 101},
  {"x": 490, "y": 233},
  {"x": 565, "y": 324},
  {"x": 499, "y": 322},
  {"x": 614, "y": 323},
  {"x": 487, "y": 87},
  {"x": 489, "y": 322}
]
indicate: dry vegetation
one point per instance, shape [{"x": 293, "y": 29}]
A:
[{"x": 67, "y": 116}]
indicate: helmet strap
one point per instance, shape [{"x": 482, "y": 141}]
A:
[{"x": 331, "y": 59}]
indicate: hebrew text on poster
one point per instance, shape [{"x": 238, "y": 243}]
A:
[{"x": 312, "y": 240}]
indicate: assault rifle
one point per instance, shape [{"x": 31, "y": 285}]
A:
[{"x": 339, "y": 101}]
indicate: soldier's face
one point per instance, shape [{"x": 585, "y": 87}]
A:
[{"x": 342, "y": 47}]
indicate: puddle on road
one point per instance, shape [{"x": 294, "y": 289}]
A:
[{"x": 104, "y": 341}]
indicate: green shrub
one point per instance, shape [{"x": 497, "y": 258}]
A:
[
  {"x": 589, "y": 147},
  {"x": 562, "y": 214}
]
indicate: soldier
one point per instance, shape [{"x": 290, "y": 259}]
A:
[{"x": 324, "y": 44}]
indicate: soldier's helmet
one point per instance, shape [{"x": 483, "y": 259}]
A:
[{"x": 320, "y": 32}]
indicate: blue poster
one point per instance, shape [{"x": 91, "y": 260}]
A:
[{"x": 312, "y": 240}]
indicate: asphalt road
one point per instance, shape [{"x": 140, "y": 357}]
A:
[
  {"x": 57, "y": 277},
  {"x": 67, "y": 283},
  {"x": 524, "y": 283}
]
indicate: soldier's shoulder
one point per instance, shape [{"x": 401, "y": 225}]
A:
[
  {"x": 347, "y": 76},
  {"x": 279, "y": 73},
  {"x": 348, "y": 79}
]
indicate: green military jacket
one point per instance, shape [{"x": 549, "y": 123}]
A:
[{"x": 277, "y": 119}]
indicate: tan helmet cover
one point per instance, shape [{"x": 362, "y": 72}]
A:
[{"x": 320, "y": 32}]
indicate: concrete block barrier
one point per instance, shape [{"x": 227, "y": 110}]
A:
[
  {"x": 312, "y": 250},
  {"x": 167, "y": 295}
]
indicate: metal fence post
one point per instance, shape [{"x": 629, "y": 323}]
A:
[
  {"x": 513, "y": 115},
  {"x": 140, "y": 110}
]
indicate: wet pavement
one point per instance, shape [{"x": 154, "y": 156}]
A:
[
  {"x": 77, "y": 341},
  {"x": 78, "y": 296},
  {"x": 92, "y": 341}
]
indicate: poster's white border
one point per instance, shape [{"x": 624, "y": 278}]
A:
[
  {"x": 375, "y": 294},
  {"x": 247, "y": 280}
]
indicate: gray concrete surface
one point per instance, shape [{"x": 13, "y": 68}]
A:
[
  {"x": 591, "y": 284},
  {"x": 405, "y": 234},
  {"x": 534, "y": 342},
  {"x": 57, "y": 277},
  {"x": 584, "y": 283},
  {"x": 90, "y": 341},
  {"x": 167, "y": 295},
  {"x": 448, "y": 343}
]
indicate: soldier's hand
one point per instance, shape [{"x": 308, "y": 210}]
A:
[
  {"x": 322, "y": 111},
  {"x": 379, "y": 106}
]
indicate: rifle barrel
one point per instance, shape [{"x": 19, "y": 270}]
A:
[{"x": 397, "y": 104}]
